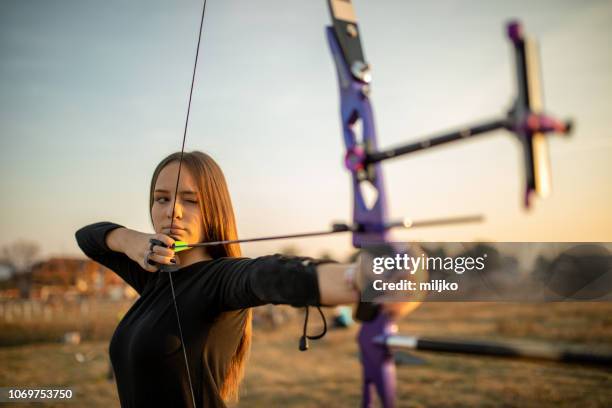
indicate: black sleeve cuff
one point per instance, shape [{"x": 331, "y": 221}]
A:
[{"x": 292, "y": 280}]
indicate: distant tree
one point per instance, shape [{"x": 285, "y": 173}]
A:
[
  {"x": 494, "y": 257},
  {"x": 21, "y": 256}
]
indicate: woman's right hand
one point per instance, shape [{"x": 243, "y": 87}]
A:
[{"x": 138, "y": 247}]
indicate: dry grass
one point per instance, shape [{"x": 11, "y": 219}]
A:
[{"x": 328, "y": 375}]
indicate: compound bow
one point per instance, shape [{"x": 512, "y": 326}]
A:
[{"x": 370, "y": 224}]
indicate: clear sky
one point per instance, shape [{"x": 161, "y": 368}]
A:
[{"x": 93, "y": 94}]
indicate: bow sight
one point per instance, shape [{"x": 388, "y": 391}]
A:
[{"x": 526, "y": 119}]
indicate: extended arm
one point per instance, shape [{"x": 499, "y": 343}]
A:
[{"x": 277, "y": 279}]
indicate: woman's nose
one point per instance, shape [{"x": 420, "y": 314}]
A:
[{"x": 174, "y": 209}]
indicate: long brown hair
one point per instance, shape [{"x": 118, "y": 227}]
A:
[{"x": 219, "y": 225}]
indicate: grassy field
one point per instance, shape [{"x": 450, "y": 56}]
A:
[{"x": 328, "y": 375}]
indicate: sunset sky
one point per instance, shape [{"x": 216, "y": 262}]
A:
[{"x": 93, "y": 94}]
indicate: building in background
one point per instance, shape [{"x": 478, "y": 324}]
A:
[{"x": 65, "y": 278}]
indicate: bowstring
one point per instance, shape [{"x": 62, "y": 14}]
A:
[{"x": 178, "y": 319}]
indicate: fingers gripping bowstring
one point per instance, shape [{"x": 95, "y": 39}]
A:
[{"x": 178, "y": 319}]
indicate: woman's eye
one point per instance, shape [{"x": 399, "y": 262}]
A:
[{"x": 161, "y": 199}]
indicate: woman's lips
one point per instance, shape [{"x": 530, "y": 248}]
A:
[{"x": 174, "y": 231}]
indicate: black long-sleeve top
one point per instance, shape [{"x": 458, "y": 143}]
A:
[{"x": 213, "y": 298}]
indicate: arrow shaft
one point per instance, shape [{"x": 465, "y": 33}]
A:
[{"x": 338, "y": 229}]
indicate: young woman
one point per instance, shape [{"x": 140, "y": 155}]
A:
[{"x": 214, "y": 290}]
